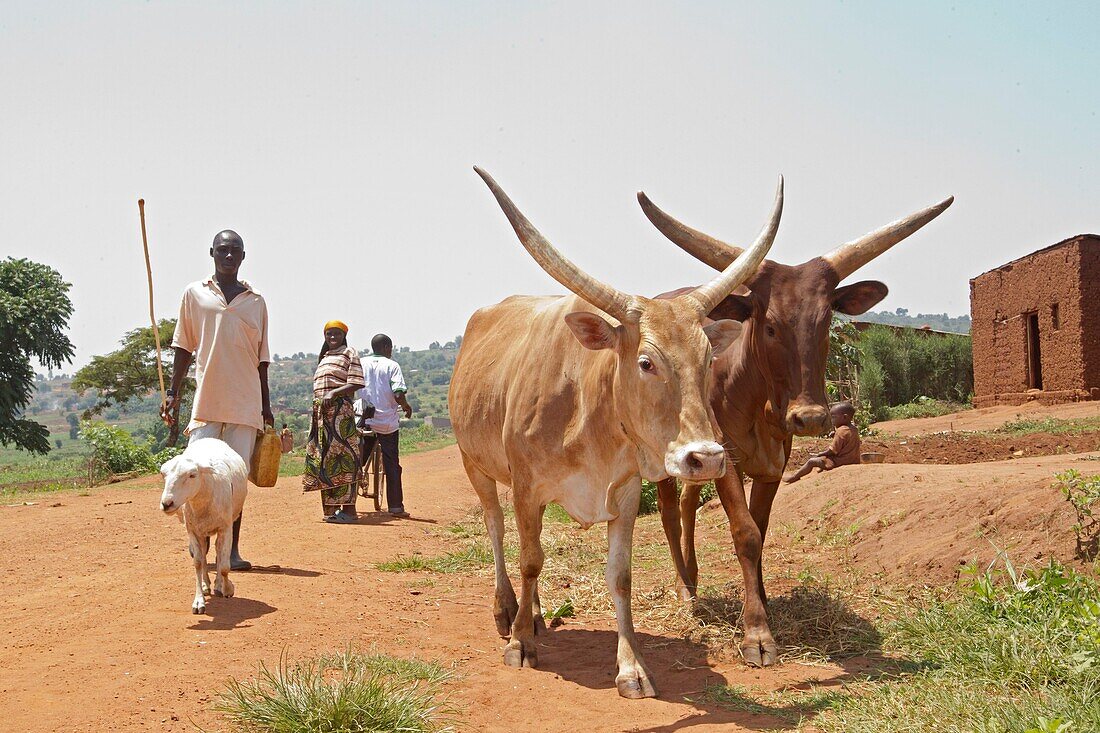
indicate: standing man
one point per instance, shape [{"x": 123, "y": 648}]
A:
[
  {"x": 386, "y": 391},
  {"x": 223, "y": 327}
]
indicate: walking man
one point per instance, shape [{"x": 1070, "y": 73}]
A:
[
  {"x": 223, "y": 327},
  {"x": 385, "y": 389}
]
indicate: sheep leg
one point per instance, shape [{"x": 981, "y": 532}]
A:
[
  {"x": 198, "y": 557},
  {"x": 223, "y": 586}
]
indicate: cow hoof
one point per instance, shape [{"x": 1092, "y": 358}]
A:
[
  {"x": 760, "y": 653},
  {"x": 635, "y": 686},
  {"x": 516, "y": 656},
  {"x": 504, "y": 614},
  {"x": 686, "y": 595}
]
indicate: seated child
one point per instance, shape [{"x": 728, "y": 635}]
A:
[{"x": 844, "y": 450}]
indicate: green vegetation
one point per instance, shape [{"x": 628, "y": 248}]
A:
[
  {"x": 1083, "y": 494},
  {"x": 34, "y": 312},
  {"x": 1013, "y": 651},
  {"x": 1051, "y": 426},
  {"x": 413, "y": 439},
  {"x": 923, "y": 407},
  {"x": 649, "y": 496},
  {"x": 471, "y": 558},
  {"x": 348, "y": 692}
]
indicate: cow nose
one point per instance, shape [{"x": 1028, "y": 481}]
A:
[
  {"x": 807, "y": 420},
  {"x": 698, "y": 461},
  {"x": 165, "y": 505}
]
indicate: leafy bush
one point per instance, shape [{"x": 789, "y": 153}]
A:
[
  {"x": 115, "y": 451},
  {"x": 921, "y": 407},
  {"x": 1083, "y": 493},
  {"x": 897, "y": 369}
]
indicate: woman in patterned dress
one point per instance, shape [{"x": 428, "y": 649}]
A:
[{"x": 332, "y": 455}]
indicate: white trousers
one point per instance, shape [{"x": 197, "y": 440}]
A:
[{"x": 241, "y": 438}]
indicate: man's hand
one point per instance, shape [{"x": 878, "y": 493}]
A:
[
  {"x": 168, "y": 411},
  {"x": 269, "y": 419},
  {"x": 408, "y": 411},
  {"x": 329, "y": 397}
]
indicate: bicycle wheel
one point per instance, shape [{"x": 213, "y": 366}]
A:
[{"x": 378, "y": 478}]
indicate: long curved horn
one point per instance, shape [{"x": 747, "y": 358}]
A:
[
  {"x": 703, "y": 247},
  {"x": 706, "y": 297},
  {"x": 847, "y": 258},
  {"x": 603, "y": 296}
]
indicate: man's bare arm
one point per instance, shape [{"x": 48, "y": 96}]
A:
[
  {"x": 269, "y": 418},
  {"x": 400, "y": 397},
  {"x": 181, "y": 362}
]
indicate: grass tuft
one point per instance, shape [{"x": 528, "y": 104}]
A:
[
  {"x": 473, "y": 557},
  {"x": 348, "y": 692}
]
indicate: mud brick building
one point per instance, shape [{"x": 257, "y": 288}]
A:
[{"x": 1036, "y": 326}]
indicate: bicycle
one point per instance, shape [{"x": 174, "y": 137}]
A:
[{"x": 372, "y": 479}]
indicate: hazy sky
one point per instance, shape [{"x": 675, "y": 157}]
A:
[{"x": 338, "y": 139}]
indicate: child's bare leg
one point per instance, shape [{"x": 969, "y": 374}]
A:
[{"x": 815, "y": 462}]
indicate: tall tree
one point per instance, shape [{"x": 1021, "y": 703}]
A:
[
  {"x": 130, "y": 372},
  {"x": 34, "y": 313}
]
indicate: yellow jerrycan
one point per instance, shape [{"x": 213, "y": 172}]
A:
[{"x": 265, "y": 459}]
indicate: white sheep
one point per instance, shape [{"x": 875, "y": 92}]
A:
[{"x": 208, "y": 481}]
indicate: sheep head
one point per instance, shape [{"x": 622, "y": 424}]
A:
[{"x": 183, "y": 476}]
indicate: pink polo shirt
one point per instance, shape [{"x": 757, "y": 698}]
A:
[{"x": 229, "y": 341}]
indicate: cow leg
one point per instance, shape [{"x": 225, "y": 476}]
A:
[
  {"x": 760, "y": 506},
  {"x": 689, "y": 505},
  {"x": 223, "y": 586},
  {"x": 504, "y": 600},
  {"x": 758, "y": 647},
  {"x": 633, "y": 679},
  {"x": 520, "y": 651},
  {"x": 199, "y": 559},
  {"x": 667, "y": 502}
]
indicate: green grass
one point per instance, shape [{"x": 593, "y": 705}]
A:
[
  {"x": 1051, "y": 425},
  {"x": 923, "y": 407},
  {"x": 471, "y": 558},
  {"x": 348, "y": 692},
  {"x": 1015, "y": 651}
]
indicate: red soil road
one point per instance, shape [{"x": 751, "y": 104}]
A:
[{"x": 98, "y": 633}]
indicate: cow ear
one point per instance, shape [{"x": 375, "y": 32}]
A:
[
  {"x": 858, "y": 297},
  {"x": 734, "y": 307},
  {"x": 592, "y": 331},
  {"x": 722, "y": 334}
]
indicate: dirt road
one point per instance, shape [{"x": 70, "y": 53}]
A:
[{"x": 98, "y": 634}]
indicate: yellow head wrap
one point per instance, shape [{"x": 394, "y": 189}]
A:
[{"x": 337, "y": 324}]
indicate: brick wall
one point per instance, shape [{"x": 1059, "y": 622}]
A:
[{"x": 1049, "y": 283}]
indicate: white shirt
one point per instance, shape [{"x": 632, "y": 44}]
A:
[
  {"x": 384, "y": 380},
  {"x": 229, "y": 341}
]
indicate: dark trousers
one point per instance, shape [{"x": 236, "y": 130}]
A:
[{"x": 391, "y": 466}]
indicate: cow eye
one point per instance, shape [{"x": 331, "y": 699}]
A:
[
  {"x": 645, "y": 364},
  {"x": 770, "y": 330}
]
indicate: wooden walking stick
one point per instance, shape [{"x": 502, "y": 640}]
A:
[{"x": 152, "y": 315}]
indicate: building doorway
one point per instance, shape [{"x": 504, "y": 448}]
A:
[{"x": 1034, "y": 358}]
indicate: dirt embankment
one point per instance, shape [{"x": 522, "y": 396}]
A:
[{"x": 960, "y": 448}]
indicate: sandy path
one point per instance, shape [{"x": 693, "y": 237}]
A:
[{"x": 98, "y": 634}]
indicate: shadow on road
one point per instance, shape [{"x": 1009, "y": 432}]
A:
[{"x": 226, "y": 614}]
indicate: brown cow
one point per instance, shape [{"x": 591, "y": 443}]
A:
[
  {"x": 566, "y": 404},
  {"x": 768, "y": 387}
]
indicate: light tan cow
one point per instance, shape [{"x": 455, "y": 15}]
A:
[{"x": 576, "y": 399}]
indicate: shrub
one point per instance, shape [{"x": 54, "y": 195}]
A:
[
  {"x": 1083, "y": 493},
  {"x": 114, "y": 450}
]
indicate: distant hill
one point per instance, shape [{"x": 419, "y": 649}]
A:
[
  {"x": 935, "y": 321},
  {"x": 290, "y": 379}
]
